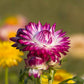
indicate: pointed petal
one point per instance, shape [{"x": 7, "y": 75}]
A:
[
  {"x": 39, "y": 26},
  {"x": 46, "y": 27},
  {"x": 53, "y": 28},
  {"x": 57, "y": 32},
  {"x": 27, "y": 37},
  {"x": 24, "y": 42},
  {"x": 15, "y": 39}
]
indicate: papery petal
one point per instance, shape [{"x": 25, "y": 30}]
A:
[
  {"x": 53, "y": 28},
  {"x": 39, "y": 26},
  {"x": 57, "y": 32},
  {"x": 35, "y": 61},
  {"x": 46, "y": 27},
  {"x": 43, "y": 36}
]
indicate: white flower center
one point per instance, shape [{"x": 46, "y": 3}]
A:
[{"x": 45, "y": 39}]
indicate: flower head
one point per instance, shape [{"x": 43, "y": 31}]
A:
[
  {"x": 9, "y": 55},
  {"x": 42, "y": 41},
  {"x": 35, "y": 64}
]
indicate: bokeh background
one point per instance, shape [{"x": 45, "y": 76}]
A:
[{"x": 67, "y": 14}]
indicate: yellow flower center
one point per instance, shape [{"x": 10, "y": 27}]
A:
[
  {"x": 11, "y": 21},
  {"x": 58, "y": 78},
  {"x": 11, "y": 34}
]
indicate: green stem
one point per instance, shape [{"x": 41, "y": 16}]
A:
[
  {"x": 6, "y": 75},
  {"x": 40, "y": 80},
  {"x": 51, "y": 76},
  {"x": 37, "y": 81}
]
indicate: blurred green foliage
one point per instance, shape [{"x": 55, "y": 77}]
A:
[{"x": 68, "y": 14}]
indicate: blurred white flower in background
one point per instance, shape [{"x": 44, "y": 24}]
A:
[
  {"x": 82, "y": 77},
  {"x": 77, "y": 45}
]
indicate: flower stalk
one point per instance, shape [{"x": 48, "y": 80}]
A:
[
  {"x": 6, "y": 75},
  {"x": 38, "y": 80},
  {"x": 51, "y": 76}
]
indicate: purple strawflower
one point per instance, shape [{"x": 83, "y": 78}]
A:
[
  {"x": 44, "y": 44},
  {"x": 35, "y": 64},
  {"x": 42, "y": 41}
]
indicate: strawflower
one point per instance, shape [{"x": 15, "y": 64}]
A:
[
  {"x": 59, "y": 76},
  {"x": 45, "y": 46},
  {"x": 42, "y": 41},
  {"x": 9, "y": 55},
  {"x": 36, "y": 65}
]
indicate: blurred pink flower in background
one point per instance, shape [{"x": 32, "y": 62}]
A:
[{"x": 11, "y": 25}]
